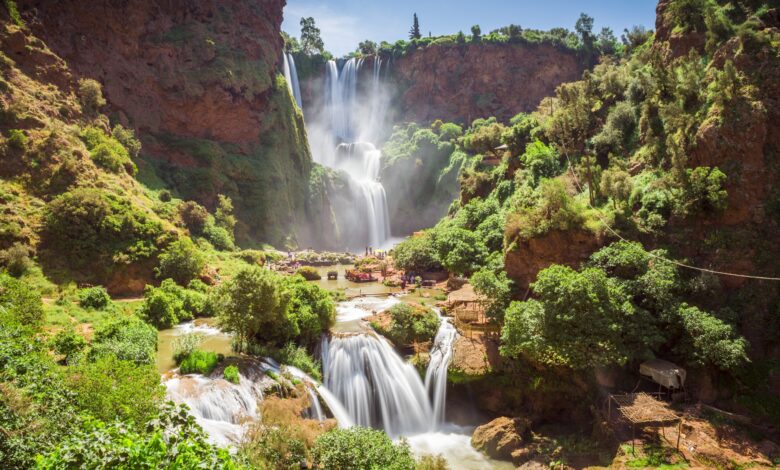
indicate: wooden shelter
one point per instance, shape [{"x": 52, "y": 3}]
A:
[
  {"x": 641, "y": 409},
  {"x": 466, "y": 305}
]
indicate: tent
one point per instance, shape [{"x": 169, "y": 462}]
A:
[{"x": 663, "y": 373}]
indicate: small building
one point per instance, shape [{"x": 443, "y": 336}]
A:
[
  {"x": 664, "y": 373},
  {"x": 466, "y": 305}
]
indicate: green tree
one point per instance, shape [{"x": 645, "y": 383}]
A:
[
  {"x": 182, "y": 261},
  {"x": 617, "y": 185},
  {"x": 367, "y": 47},
  {"x": 476, "y": 33},
  {"x": 361, "y": 449},
  {"x": 460, "y": 251},
  {"x": 224, "y": 214},
  {"x": 21, "y": 302},
  {"x": 126, "y": 337},
  {"x": 194, "y": 217},
  {"x": 580, "y": 320},
  {"x": 311, "y": 41},
  {"x": 414, "y": 33},
  {"x": 584, "y": 27},
  {"x": 90, "y": 94},
  {"x": 709, "y": 341},
  {"x": 94, "y": 297},
  {"x": 416, "y": 254},
  {"x": 250, "y": 303},
  {"x": 495, "y": 290},
  {"x": 410, "y": 324}
]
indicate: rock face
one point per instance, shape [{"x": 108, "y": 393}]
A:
[
  {"x": 526, "y": 258},
  {"x": 198, "y": 82},
  {"x": 466, "y": 82},
  {"x": 500, "y": 437}
]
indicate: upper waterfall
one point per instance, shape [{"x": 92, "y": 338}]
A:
[{"x": 291, "y": 76}]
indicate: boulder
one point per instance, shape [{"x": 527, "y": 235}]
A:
[{"x": 501, "y": 437}]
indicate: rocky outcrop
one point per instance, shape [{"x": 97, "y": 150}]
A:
[
  {"x": 198, "y": 82},
  {"x": 501, "y": 437},
  {"x": 525, "y": 258},
  {"x": 466, "y": 82}
]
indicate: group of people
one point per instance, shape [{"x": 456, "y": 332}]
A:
[{"x": 379, "y": 254}]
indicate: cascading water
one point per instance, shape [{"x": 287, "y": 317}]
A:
[
  {"x": 379, "y": 389},
  {"x": 291, "y": 76},
  {"x": 353, "y": 119}
]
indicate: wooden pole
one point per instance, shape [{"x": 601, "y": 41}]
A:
[{"x": 679, "y": 431}]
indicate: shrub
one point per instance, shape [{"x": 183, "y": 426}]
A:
[
  {"x": 705, "y": 190},
  {"x": 417, "y": 254},
  {"x": 199, "y": 362},
  {"x": 128, "y": 140},
  {"x": 107, "y": 151},
  {"x": 94, "y": 297},
  {"x": 252, "y": 257},
  {"x": 231, "y": 374},
  {"x": 541, "y": 160},
  {"x": 16, "y": 260},
  {"x": 172, "y": 440},
  {"x": 309, "y": 273},
  {"x": 19, "y": 301},
  {"x": 127, "y": 337},
  {"x": 111, "y": 388},
  {"x": 450, "y": 131},
  {"x": 89, "y": 227},
  {"x": 165, "y": 195},
  {"x": 184, "y": 345},
  {"x": 495, "y": 288},
  {"x": 460, "y": 251},
  {"x": 219, "y": 237},
  {"x": 182, "y": 261},
  {"x": 17, "y": 139},
  {"x": 90, "y": 94},
  {"x": 360, "y": 449},
  {"x": 164, "y": 306},
  {"x": 411, "y": 324},
  {"x": 710, "y": 341},
  {"x": 68, "y": 343},
  {"x": 194, "y": 216}
]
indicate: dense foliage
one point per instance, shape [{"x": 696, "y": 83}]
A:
[
  {"x": 361, "y": 449},
  {"x": 411, "y": 324},
  {"x": 170, "y": 304},
  {"x": 181, "y": 261}
]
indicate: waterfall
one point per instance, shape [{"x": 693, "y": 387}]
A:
[
  {"x": 291, "y": 76},
  {"x": 377, "y": 388},
  {"x": 352, "y": 119},
  {"x": 436, "y": 374}
]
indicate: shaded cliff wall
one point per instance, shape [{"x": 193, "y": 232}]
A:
[{"x": 198, "y": 81}]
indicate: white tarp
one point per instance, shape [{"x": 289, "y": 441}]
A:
[{"x": 664, "y": 373}]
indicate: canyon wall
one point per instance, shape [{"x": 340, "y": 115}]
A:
[
  {"x": 466, "y": 82},
  {"x": 198, "y": 82}
]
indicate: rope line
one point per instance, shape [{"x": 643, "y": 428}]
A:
[{"x": 653, "y": 255}]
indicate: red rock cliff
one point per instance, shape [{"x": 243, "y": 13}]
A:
[{"x": 480, "y": 80}]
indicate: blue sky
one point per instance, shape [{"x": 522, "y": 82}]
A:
[{"x": 344, "y": 23}]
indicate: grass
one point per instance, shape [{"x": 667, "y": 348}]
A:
[
  {"x": 231, "y": 374},
  {"x": 652, "y": 456},
  {"x": 199, "y": 362}
]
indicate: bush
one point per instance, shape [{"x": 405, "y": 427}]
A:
[
  {"x": 111, "y": 388},
  {"x": 68, "y": 343},
  {"x": 252, "y": 257},
  {"x": 184, "y": 345},
  {"x": 199, "y": 362},
  {"x": 309, "y": 273},
  {"x": 541, "y": 160},
  {"x": 194, "y": 217},
  {"x": 710, "y": 341},
  {"x": 21, "y": 302},
  {"x": 231, "y": 374},
  {"x": 90, "y": 94},
  {"x": 460, "y": 251},
  {"x": 411, "y": 324},
  {"x": 173, "y": 440},
  {"x": 219, "y": 237},
  {"x": 16, "y": 260},
  {"x": 107, "y": 151},
  {"x": 17, "y": 139},
  {"x": 361, "y": 449},
  {"x": 182, "y": 261},
  {"x": 165, "y": 195},
  {"x": 416, "y": 254},
  {"x": 171, "y": 304},
  {"x": 89, "y": 227},
  {"x": 127, "y": 338},
  {"x": 128, "y": 140},
  {"x": 94, "y": 298}
]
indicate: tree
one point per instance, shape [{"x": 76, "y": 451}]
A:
[
  {"x": 20, "y": 301},
  {"x": 584, "y": 28},
  {"x": 616, "y": 184},
  {"x": 90, "y": 94},
  {"x": 495, "y": 289},
  {"x": 416, "y": 254},
  {"x": 485, "y": 138},
  {"x": 476, "y": 33},
  {"x": 460, "y": 251},
  {"x": 515, "y": 32},
  {"x": 250, "y": 303},
  {"x": 606, "y": 41},
  {"x": 224, "y": 215},
  {"x": 410, "y": 324},
  {"x": 311, "y": 41},
  {"x": 635, "y": 37},
  {"x": 414, "y": 33},
  {"x": 367, "y": 47},
  {"x": 182, "y": 261},
  {"x": 194, "y": 217},
  {"x": 580, "y": 320},
  {"x": 710, "y": 341}
]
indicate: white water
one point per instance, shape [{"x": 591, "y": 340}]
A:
[
  {"x": 354, "y": 116},
  {"x": 291, "y": 76},
  {"x": 436, "y": 374}
]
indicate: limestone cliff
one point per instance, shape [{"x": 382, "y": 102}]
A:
[
  {"x": 198, "y": 82},
  {"x": 466, "y": 82}
]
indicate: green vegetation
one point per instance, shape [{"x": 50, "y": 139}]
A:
[
  {"x": 231, "y": 374},
  {"x": 410, "y": 324},
  {"x": 199, "y": 362},
  {"x": 19, "y": 302},
  {"x": 360, "y": 449},
  {"x": 309, "y": 273},
  {"x": 170, "y": 304},
  {"x": 94, "y": 297},
  {"x": 107, "y": 151},
  {"x": 181, "y": 261},
  {"x": 258, "y": 305}
]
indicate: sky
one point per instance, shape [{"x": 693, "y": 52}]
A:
[{"x": 345, "y": 23}]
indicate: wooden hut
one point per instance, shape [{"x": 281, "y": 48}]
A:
[{"x": 466, "y": 306}]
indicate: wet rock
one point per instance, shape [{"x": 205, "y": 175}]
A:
[{"x": 500, "y": 437}]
